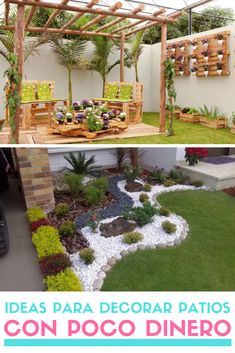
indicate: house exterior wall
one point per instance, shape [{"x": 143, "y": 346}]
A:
[{"x": 36, "y": 177}]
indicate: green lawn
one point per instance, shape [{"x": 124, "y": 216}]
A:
[
  {"x": 184, "y": 134},
  {"x": 205, "y": 261}
]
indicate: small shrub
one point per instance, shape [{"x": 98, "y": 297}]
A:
[
  {"x": 65, "y": 281},
  {"x": 164, "y": 212},
  {"x": 144, "y": 198},
  {"x": 53, "y": 264},
  {"x": 95, "y": 191},
  {"x": 35, "y": 214},
  {"x": 67, "y": 229},
  {"x": 177, "y": 175},
  {"x": 197, "y": 183},
  {"x": 131, "y": 173},
  {"x": 158, "y": 176},
  {"x": 47, "y": 242},
  {"x": 74, "y": 183},
  {"x": 87, "y": 255},
  {"x": 147, "y": 187},
  {"x": 42, "y": 222},
  {"x": 141, "y": 215},
  {"x": 169, "y": 227},
  {"x": 169, "y": 183},
  {"x": 132, "y": 238},
  {"x": 79, "y": 164},
  {"x": 62, "y": 209}
]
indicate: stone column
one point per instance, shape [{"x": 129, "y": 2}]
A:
[{"x": 36, "y": 177}]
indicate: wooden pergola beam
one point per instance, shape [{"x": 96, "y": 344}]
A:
[
  {"x": 54, "y": 14},
  {"x": 134, "y": 24},
  {"x": 79, "y": 15},
  {"x": 115, "y": 7},
  {"x": 138, "y": 9},
  {"x": 96, "y": 11},
  {"x": 30, "y": 15},
  {"x": 60, "y": 31},
  {"x": 163, "y": 79},
  {"x": 7, "y": 9},
  {"x": 122, "y": 57}
]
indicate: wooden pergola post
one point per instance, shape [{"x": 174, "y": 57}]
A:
[
  {"x": 122, "y": 57},
  {"x": 19, "y": 51},
  {"x": 163, "y": 80}
]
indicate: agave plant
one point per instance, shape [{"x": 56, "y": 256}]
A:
[
  {"x": 211, "y": 113},
  {"x": 80, "y": 165}
]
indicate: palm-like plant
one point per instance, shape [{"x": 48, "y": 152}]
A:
[
  {"x": 135, "y": 52},
  {"x": 68, "y": 54},
  {"x": 104, "y": 47},
  {"x": 80, "y": 165},
  {"x": 7, "y": 44}
]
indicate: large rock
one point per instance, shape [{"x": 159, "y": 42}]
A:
[
  {"x": 134, "y": 187},
  {"x": 117, "y": 227}
]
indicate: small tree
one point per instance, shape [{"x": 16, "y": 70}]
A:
[
  {"x": 135, "y": 51},
  {"x": 170, "y": 86}
]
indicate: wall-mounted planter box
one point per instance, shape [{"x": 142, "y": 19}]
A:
[
  {"x": 220, "y": 123},
  {"x": 190, "y": 118}
]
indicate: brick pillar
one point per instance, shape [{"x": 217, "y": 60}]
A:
[{"x": 36, "y": 177}]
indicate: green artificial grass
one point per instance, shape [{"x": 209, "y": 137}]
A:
[
  {"x": 185, "y": 133},
  {"x": 205, "y": 261}
]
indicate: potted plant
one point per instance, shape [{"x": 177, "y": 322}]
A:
[
  {"x": 69, "y": 117},
  {"x": 190, "y": 115},
  {"x": 194, "y": 155},
  {"x": 219, "y": 68},
  {"x": 212, "y": 117},
  {"x": 60, "y": 118},
  {"x": 180, "y": 59},
  {"x": 77, "y": 106},
  {"x": 122, "y": 116},
  {"x": 206, "y": 70},
  {"x": 220, "y": 55},
  {"x": 220, "y": 38},
  {"x": 182, "y": 47},
  {"x": 173, "y": 48},
  {"x": 81, "y": 118},
  {"x": 194, "y": 71},
  {"x": 194, "y": 59},
  {"x": 206, "y": 54},
  {"x": 194, "y": 45},
  {"x": 205, "y": 42},
  {"x": 181, "y": 70},
  {"x": 173, "y": 58}
]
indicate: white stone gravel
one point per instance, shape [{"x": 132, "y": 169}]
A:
[{"x": 92, "y": 275}]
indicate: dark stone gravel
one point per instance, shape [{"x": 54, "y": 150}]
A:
[{"x": 114, "y": 210}]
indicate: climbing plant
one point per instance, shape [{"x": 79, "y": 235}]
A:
[
  {"x": 170, "y": 86},
  {"x": 13, "y": 98}
]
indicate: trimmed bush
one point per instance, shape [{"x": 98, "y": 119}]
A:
[
  {"x": 147, "y": 187},
  {"x": 141, "y": 215},
  {"x": 132, "y": 238},
  {"x": 169, "y": 227},
  {"x": 74, "y": 183},
  {"x": 95, "y": 191},
  {"x": 67, "y": 229},
  {"x": 164, "y": 212},
  {"x": 197, "y": 183},
  {"x": 53, "y": 264},
  {"x": 42, "y": 222},
  {"x": 144, "y": 198},
  {"x": 62, "y": 209},
  {"x": 35, "y": 214},
  {"x": 65, "y": 281},
  {"x": 87, "y": 255},
  {"x": 47, "y": 242},
  {"x": 169, "y": 183}
]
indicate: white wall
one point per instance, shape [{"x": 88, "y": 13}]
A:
[
  {"x": 86, "y": 84},
  {"x": 195, "y": 91},
  {"x": 162, "y": 157}
]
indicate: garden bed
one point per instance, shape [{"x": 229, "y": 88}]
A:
[
  {"x": 220, "y": 123},
  {"x": 190, "y": 118}
]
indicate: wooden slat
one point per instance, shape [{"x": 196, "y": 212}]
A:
[
  {"x": 99, "y": 18},
  {"x": 54, "y": 14},
  {"x": 138, "y": 9},
  {"x": 7, "y": 9},
  {"x": 79, "y": 15},
  {"x": 31, "y": 14}
]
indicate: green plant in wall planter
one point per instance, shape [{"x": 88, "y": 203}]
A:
[
  {"x": 12, "y": 96},
  {"x": 170, "y": 86}
]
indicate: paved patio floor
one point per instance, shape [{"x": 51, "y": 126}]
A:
[{"x": 19, "y": 270}]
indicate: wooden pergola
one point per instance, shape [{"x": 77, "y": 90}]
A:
[{"x": 140, "y": 20}]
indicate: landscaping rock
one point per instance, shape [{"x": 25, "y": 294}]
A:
[
  {"x": 106, "y": 268},
  {"x": 112, "y": 261},
  {"x": 141, "y": 246},
  {"x": 124, "y": 253},
  {"x": 75, "y": 243},
  {"x": 101, "y": 275},
  {"x": 117, "y": 227},
  {"x": 98, "y": 284},
  {"x": 134, "y": 187}
]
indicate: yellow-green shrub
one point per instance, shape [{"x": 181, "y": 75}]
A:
[
  {"x": 47, "y": 242},
  {"x": 65, "y": 281},
  {"x": 35, "y": 214}
]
